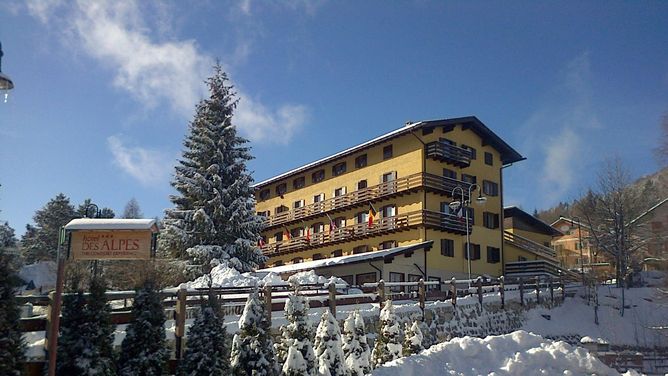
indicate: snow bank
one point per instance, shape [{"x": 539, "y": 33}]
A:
[
  {"x": 224, "y": 276},
  {"x": 310, "y": 278},
  {"x": 517, "y": 353}
]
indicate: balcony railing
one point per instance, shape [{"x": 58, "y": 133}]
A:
[
  {"x": 529, "y": 245},
  {"x": 444, "y": 152},
  {"x": 431, "y": 219},
  {"x": 440, "y": 184}
]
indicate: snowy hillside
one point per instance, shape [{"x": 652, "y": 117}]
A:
[{"x": 517, "y": 353}]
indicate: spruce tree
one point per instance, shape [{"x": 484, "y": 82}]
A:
[
  {"x": 355, "y": 346},
  {"x": 328, "y": 349},
  {"x": 388, "y": 345},
  {"x": 11, "y": 344},
  {"x": 412, "y": 339},
  {"x": 294, "y": 364},
  {"x": 206, "y": 353},
  {"x": 214, "y": 216},
  {"x": 143, "y": 351},
  {"x": 85, "y": 346},
  {"x": 40, "y": 242},
  {"x": 297, "y": 333},
  {"x": 252, "y": 348}
]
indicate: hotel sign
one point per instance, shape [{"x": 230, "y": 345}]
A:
[{"x": 111, "y": 245}]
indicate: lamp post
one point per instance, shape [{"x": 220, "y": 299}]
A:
[
  {"x": 464, "y": 204},
  {"x": 6, "y": 83}
]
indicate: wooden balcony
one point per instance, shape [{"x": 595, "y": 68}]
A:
[
  {"x": 451, "y": 154},
  {"x": 362, "y": 197},
  {"x": 430, "y": 219},
  {"x": 529, "y": 245}
]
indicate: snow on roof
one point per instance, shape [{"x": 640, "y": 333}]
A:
[
  {"x": 110, "y": 224},
  {"x": 649, "y": 210},
  {"x": 350, "y": 259},
  {"x": 341, "y": 153}
]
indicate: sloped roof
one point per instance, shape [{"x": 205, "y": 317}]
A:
[
  {"x": 350, "y": 259},
  {"x": 508, "y": 154},
  {"x": 514, "y": 211}
]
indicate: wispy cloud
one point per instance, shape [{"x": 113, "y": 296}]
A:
[
  {"x": 145, "y": 165},
  {"x": 156, "y": 69}
]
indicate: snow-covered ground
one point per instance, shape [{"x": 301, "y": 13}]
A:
[
  {"x": 517, "y": 353},
  {"x": 647, "y": 310}
]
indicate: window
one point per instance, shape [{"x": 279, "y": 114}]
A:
[
  {"x": 448, "y": 247},
  {"x": 360, "y": 161},
  {"x": 339, "y": 168},
  {"x": 340, "y": 222},
  {"x": 448, "y": 173},
  {"x": 474, "y": 251},
  {"x": 388, "y": 211},
  {"x": 522, "y": 258},
  {"x": 471, "y": 179},
  {"x": 339, "y": 191},
  {"x": 414, "y": 278},
  {"x": 362, "y": 217},
  {"x": 493, "y": 255},
  {"x": 319, "y": 198},
  {"x": 360, "y": 249},
  {"x": 318, "y": 228},
  {"x": 348, "y": 278},
  {"x": 471, "y": 150},
  {"x": 297, "y": 232},
  {"x": 490, "y": 188},
  {"x": 490, "y": 220},
  {"x": 434, "y": 287},
  {"x": 387, "y": 152},
  {"x": 297, "y": 260},
  {"x": 397, "y": 277},
  {"x": 445, "y": 208},
  {"x": 278, "y": 236},
  {"x": 264, "y": 194},
  {"x": 337, "y": 253},
  {"x": 299, "y": 183},
  {"x": 387, "y": 244},
  {"x": 298, "y": 204},
  {"x": 281, "y": 209},
  {"x": 365, "y": 278},
  {"x": 489, "y": 159},
  {"x": 318, "y": 176},
  {"x": 281, "y": 189},
  {"x": 361, "y": 184},
  {"x": 265, "y": 213},
  {"x": 317, "y": 256}
]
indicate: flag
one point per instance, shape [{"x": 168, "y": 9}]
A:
[
  {"x": 260, "y": 243},
  {"x": 332, "y": 226},
  {"x": 308, "y": 234},
  {"x": 286, "y": 234},
  {"x": 372, "y": 213}
]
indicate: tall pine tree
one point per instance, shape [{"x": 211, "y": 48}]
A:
[
  {"x": 11, "y": 343},
  {"x": 298, "y": 333},
  {"x": 388, "y": 345},
  {"x": 252, "y": 348},
  {"x": 214, "y": 216},
  {"x": 328, "y": 347},
  {"x": 40, "y": 242},
  {"x": 206, "y": 353},
  {"x": 355, "y": 346},
  {"x": 143, "y": 351}
]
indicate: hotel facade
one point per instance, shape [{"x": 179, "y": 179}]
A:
[{"x": 384, "y": 209}]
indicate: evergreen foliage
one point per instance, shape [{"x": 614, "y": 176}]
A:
[
  {"x": 11, "y": 344},
  {"x": 328, "y": 347},
  {"x": 413, "y": 339},
  {"x": 104, "y": 212},
  {"x": 7, "y": 237},
  {"x": 297, "y": 333},
  {"x": 355, "y": 346},
  {"x": 85, "y": 346},
  {"x": 388, "y": 345},
  {"x": 252, "y": 348},
  {"x": 132, "y": 210},
  {"x": 294, "y": 365},
  {"x": 143, "y": 350},
  {"x": 206, "y": 353},
  {"x": 214, "y": 215},
  {"x": 40, "y": 242}
]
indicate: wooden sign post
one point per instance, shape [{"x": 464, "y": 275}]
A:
[{"x": 97, "y": 239}]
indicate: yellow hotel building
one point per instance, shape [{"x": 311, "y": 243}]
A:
[{"x": 317, "y": 215}]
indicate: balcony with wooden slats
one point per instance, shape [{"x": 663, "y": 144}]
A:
[
  {"x": 434, "y": 183},
  {"x": 529, "y": 245},
  {"x": 383, "y": 226},
  {"x": 451, "y": 154}
]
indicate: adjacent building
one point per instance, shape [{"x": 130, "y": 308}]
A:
[{"x": 391, "y": 207}]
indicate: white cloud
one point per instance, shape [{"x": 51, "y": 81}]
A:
[
  {"x": 561, "y": 163},
  {"x": 155, "y": 71},
  {"x": 146, "y": 165}
]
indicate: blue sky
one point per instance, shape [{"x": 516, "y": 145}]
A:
[{"x": 105, "y": 90}]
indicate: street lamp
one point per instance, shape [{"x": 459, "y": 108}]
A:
[
  {"x": 6, "y": 83},
  {"x": 465, "y": 204}
]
